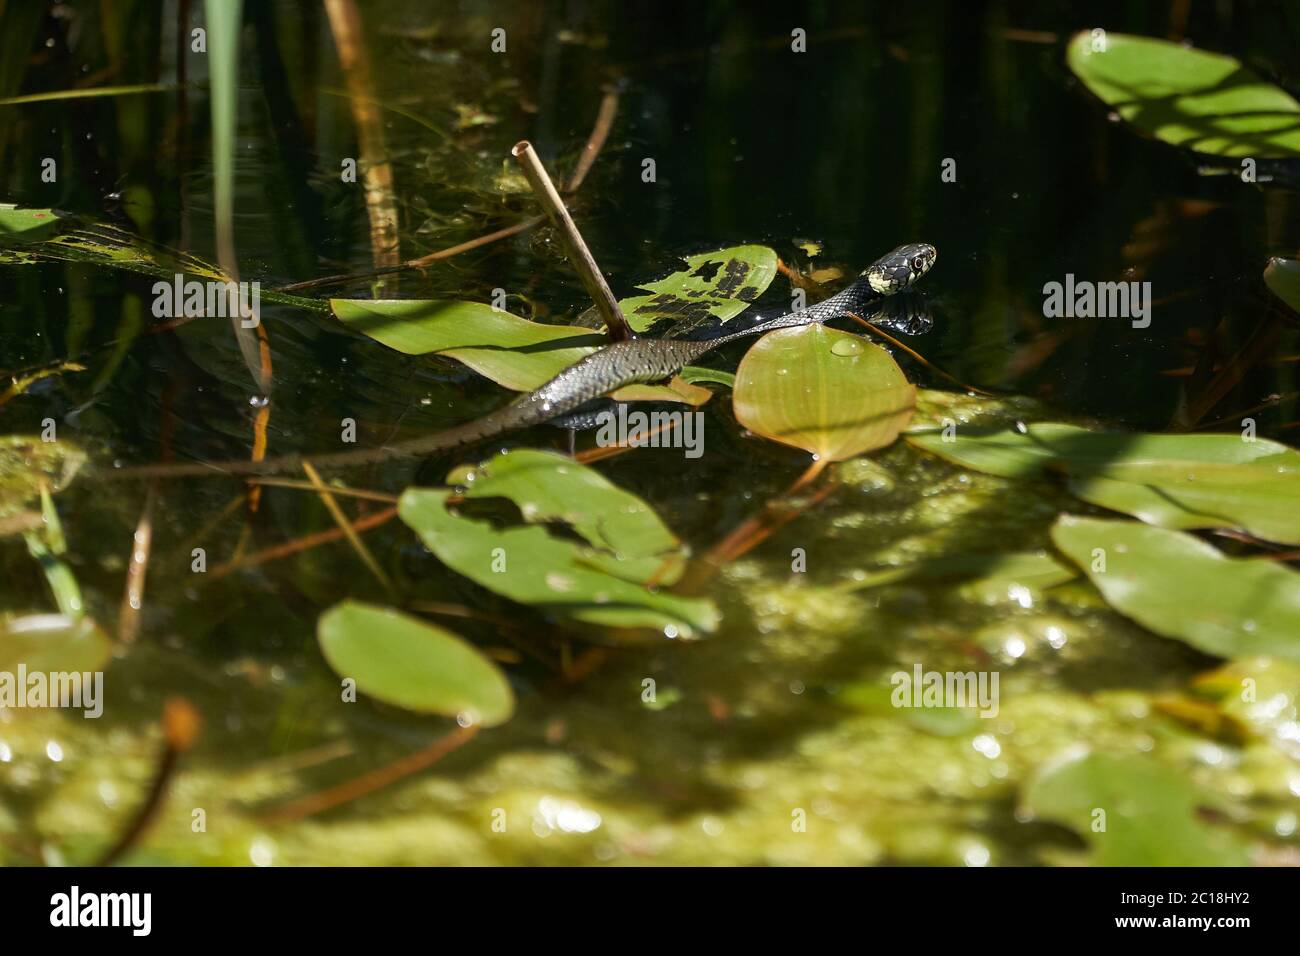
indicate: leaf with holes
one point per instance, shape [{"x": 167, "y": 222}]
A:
[
  {"x": 602, "y": 568},
  {"x": 714, "y": 286}
]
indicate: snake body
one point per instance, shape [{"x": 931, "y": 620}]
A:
[{"x": 632, "y": 362}]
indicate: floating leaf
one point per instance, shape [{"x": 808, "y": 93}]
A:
[
  {"x": 1180, "y": 587},
  {"x": 603, "y": 576},
  {"x": 716, "y": 285},
  {"x": 27, "y": 463},
  {"x": 628, "y": 539},
  {"x": 1174, "y": 481},
  {"x": 511, "y": 351},
  {"x": 1152, "y": 813},
  {"x": 1282, "y": 276},
  {"x": 52, "y": 642},
  {"x": 25, "y": 239},
  {"x": 1202, "y": 101},
  {"x": 412, "y": 664},
  {"x": 825, "y": 391},
  {"x": 26, "y": 225}
]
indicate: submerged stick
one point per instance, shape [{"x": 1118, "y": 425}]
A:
[
  {"x": 180, "y": 728},
  {"x": 583, "y": 261},
  {"x": 368, "y": 783}
]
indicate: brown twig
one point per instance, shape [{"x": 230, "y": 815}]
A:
[
  {"x": 180, "y": 728},
  {"x": 368, "y": 783},
  {"x": 128, "y": 618},
  {"x": 596, "y": 141},
  {"x": 422, "y": 261},
  {"x": 334, "y": 489},
  {"x": 579, "y": 255},
  {"x": 757, "y": 528},
  {"x": 876, "y": 330},
  {"x": 599, "y": 454},
  {"x": 302, "y": 544},
  {"x": 345, "y": 526}
]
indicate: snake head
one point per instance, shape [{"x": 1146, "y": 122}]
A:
[{"x": 899, "y": 269}]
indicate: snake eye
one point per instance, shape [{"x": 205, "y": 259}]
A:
[{"x": 918, "y": 263}]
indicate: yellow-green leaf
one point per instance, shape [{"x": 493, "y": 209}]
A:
[{"x": 828, "y": 392}]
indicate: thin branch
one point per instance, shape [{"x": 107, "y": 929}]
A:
[
  {"x": 421, "y": 262},
  {"x": 596, "y": 141},
  {"x": 876, "y": 330},
  {"x": 579, "y": 255},
  {"x": 345, "y": 526},
  {"x": 180, "y": 728},
  {"x": 368, "y": 783},
  {"x": 128, "y": 618},
  {"x": 302, "y": 544},
  {"x": 756, "y": 529},
  {"x": 334, "y": 489}
]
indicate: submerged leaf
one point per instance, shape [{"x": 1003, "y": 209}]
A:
[
  {"x": 412, "y": 664},
  {"x": 1151, "y": 813},
  {"x": 53, "y": 642},
  {"x": 1180, "y": 587},
  {"x": 1174, "y": 481},
  {"x": 828, "y": 392},
  {"x": 1202, "y": 101},
  {"x": 27, "y": 463}
]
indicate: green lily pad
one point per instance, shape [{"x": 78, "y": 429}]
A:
[
  {"x": 409, "y": 663},
  {"x": 628, "y": 539},
  {"x": 1150, "y": 813},
  {"x": 1201, "y": 101},
  {"x": 53, "y": 642},
  {"x": 1180, "y": 587},
  {"x": 715, "y": 285},
  {"x": 27, "y": 462},
  {"x": 604, "y": 576},
  {"x": 513, "y": 352},
  {"x": 828, "y": 392},
  {"x": 1174, "y": 481}
]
